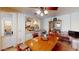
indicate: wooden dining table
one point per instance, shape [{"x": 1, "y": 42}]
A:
[{"x": 41, "y": 43}]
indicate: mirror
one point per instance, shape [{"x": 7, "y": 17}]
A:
[
  {"x": 8, "y": 28},
  {"x": 55, "y": 25}
]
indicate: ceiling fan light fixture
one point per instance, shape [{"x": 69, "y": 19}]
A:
[
  {"x": 38, "y": 11},
  {"x": 45, "y": 11},
  {"x": 41, "y": 14},
  {"x": 41, "y": 11}
]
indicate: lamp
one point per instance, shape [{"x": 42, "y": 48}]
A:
[{"x": 42, "y": 11}]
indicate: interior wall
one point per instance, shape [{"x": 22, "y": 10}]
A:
[
  {"x": 75, "y": 21},
  {"x": 65, "y": 22},
  {"x": 46, "y": 23},
  {"x": 18, "y": 26},
  {"x": 0, "y": 34},
  {"x": 21, "y": 27},
  {"x": 69, "y": 22},
  {"x": 0, "y": 26}
]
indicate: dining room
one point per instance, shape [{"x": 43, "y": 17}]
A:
[{"x": 39, "y": 28}]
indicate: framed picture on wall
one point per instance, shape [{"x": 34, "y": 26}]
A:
[
  {"x": 31, "y": 24},
  {"x": 8, "y": 28}
]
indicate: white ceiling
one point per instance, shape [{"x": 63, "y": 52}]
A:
[
  {"x": 60, "y": 11},
  {"x": 32, "y": 10},
  {"x": 66, "y": 10}
]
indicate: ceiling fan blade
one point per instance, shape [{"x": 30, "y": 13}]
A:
[{"x": 52, "y": 8}]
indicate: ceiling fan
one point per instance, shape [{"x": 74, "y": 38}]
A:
[{"x": 44, "y": 10}]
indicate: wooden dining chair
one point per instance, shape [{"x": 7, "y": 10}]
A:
[{"x": 21, "y": 47}]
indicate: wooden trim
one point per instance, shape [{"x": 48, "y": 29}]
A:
[{"x": 6, "y": 48}]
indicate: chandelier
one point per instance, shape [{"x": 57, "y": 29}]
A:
[{"x": 42, "y": 11}]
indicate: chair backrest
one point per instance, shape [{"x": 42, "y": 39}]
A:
[
  {"x": 35, "y": 35},
  {"x": 20, "y": 47}
]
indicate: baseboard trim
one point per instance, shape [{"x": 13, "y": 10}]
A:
[{"x": 6, "y": 48}]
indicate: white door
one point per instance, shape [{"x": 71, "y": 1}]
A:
[{"x": 8, "y": 40}]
